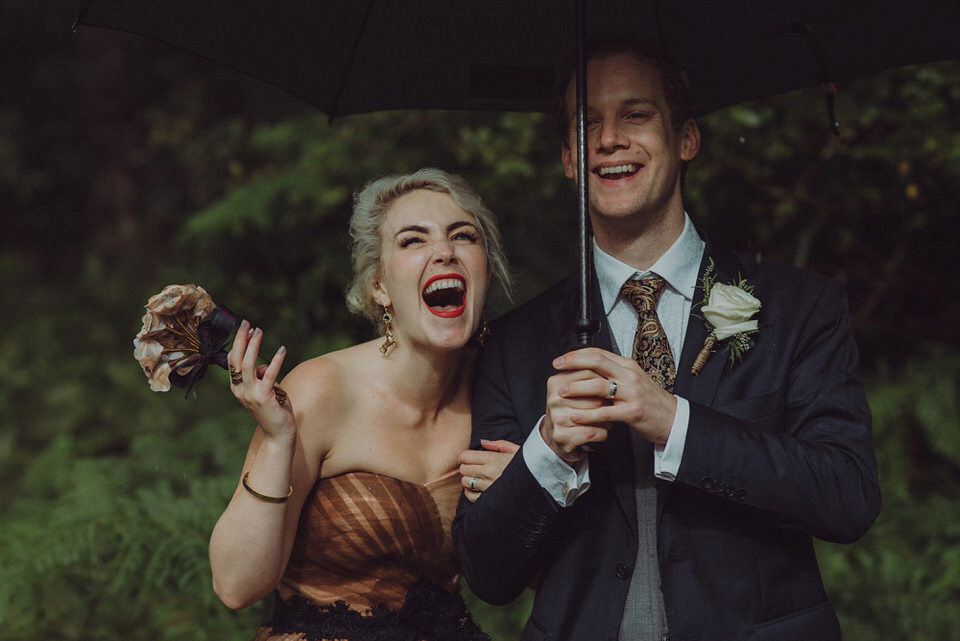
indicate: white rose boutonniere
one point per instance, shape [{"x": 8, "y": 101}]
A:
[{"x": 728, "y": 315}]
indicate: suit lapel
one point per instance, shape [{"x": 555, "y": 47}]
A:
[{"x": 702, "y": 388}]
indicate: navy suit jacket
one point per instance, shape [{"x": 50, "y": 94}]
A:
[{"x": 779, "y": 450}]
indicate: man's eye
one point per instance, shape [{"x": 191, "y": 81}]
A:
[{"x": 639, "y": 115}]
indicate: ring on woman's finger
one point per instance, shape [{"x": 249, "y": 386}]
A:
[
  {"x": 235, "y": 376},
  {"x": 612, "y": 390},
  {"x": 473, "y": 484}
]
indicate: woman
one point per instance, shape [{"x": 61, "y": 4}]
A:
[{"x": 349, "y": 487}]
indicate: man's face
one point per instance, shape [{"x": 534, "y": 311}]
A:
[{"x": 634, "y": 154}]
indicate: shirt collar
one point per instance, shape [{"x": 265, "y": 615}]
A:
[{"x": 679, "y": 266}]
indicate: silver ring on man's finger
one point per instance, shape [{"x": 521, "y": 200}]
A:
[
  {"x": 473, "y": 484},
  {"x": 612, "y": 390}
]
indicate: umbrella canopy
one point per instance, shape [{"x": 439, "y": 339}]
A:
[{"x": 352, "y": 56}]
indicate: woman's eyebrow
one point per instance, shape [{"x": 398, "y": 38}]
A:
[
  {"x": 423, "y": 230},
  {"x": 417, "y": 228}
]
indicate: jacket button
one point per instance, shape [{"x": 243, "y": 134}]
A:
[
  {"x": 623, "y": 572},
  {"x": 707, "y": 483}
]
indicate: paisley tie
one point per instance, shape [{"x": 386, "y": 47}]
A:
[{"x": 650, "y": 347}]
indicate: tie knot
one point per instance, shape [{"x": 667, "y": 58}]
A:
[{"x": 643, "y": 294}]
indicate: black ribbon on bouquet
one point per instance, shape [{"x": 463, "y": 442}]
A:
[{"x": 213, "y": 332}]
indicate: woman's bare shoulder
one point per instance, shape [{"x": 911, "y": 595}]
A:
[{"x": 323, "y": 389}]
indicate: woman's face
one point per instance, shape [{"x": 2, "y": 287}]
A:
[{"x": 434, "y": 270}]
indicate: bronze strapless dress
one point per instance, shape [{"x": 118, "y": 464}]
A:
[{"x": 373, "y": 560}]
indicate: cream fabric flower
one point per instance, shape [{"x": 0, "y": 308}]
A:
[{"x": 730, "y": 309}]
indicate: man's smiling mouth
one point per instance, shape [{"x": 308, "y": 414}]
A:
[
  {"x": 445, "y": 296},
  {"x": 617, "y": 172}
]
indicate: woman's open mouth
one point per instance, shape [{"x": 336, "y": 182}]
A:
[{"x": 446, "y": 295}]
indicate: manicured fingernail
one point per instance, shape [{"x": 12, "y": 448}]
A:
[
  {"x": 257, "y": 331},
  {"x": 562, "y": 391},
  {"x": 558, "y": 362},
  {"x": 281, "y": 350}
]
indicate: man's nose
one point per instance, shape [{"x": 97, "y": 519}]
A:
[{"x": 610, "y": 136}]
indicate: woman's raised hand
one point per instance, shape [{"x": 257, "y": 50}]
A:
[
  {"x": 255, "y": 385},
  {"x": 480, "y": 468}
]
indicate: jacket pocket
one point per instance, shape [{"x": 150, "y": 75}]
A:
[
  {"x": 817, "y": 623},
  {"x": 754, "y": 409}
]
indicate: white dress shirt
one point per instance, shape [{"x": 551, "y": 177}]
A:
[{"x": 679, "y": 267}]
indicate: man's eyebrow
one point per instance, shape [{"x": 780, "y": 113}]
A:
[{"x": 638, "y": 102}]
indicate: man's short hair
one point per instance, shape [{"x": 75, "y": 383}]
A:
[{"x": 676, "y": 92}]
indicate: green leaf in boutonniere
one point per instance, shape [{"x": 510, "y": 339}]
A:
[{"x": 728, "y": 316}]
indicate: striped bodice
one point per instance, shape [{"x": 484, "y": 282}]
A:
[{"x": 365, "y": 538}]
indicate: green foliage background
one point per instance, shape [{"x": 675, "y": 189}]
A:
[{"x": 125, "y": 165}]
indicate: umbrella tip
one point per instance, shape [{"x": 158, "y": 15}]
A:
[
  {"x": 81, "y": 15},
  {"x": 830, "y": 94}
]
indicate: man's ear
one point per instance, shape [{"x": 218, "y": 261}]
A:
[
  {"x": 569, "y": 162},
  {"x": 689, "y": 140}
]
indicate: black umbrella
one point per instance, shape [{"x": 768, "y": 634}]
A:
[{"x": 353, "y": 56}]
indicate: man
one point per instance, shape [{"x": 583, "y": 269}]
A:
[{"x": 649, "y": 502}]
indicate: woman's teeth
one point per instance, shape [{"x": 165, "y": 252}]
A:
[
  {"x": 445, "y": 283},
  {"x": 444, "y": 293}
]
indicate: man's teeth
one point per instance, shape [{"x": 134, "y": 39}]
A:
[
  {"x": 619, "y": 169},
  {"x": 446, "y": 283}
]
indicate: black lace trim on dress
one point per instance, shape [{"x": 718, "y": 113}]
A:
[{"x": 429, "y": 613}]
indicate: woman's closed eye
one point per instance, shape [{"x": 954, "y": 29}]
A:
[
  {"x": 407, "y": 241},
  {"x": 465, "y": 236}
]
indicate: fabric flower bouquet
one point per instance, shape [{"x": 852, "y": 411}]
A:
[{"x": 183, "y": 333}]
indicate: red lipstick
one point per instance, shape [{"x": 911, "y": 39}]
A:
[{"x": 445, "y": 295}]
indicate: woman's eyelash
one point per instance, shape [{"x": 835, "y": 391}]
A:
[
  {"x": 409, "y": 240},
  {"x": 469, "y": 236}
]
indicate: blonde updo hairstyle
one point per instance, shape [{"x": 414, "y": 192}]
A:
[{"x": 370, "y": 207}]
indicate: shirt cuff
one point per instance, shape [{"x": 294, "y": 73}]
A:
[
  {"x": 561, "y": 481},
  {"x": 667, "y": 458}
]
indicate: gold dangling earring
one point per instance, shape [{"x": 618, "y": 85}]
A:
[
  {"x": 480, "y": 336},
  {"x": 388, "y": 339}
]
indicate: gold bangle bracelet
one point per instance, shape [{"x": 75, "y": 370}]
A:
[{"x": 264, "y": 497}]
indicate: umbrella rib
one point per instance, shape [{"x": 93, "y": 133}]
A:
[
  {"x": 81, "y": 15},
  {"x": 657, "y": 19},
  {"x": 349, "y": 65}
]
